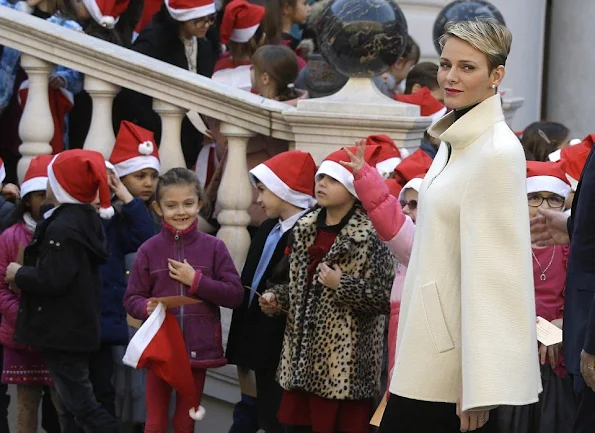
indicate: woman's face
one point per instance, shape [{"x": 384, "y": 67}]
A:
[{"x": 464, "y": 75}]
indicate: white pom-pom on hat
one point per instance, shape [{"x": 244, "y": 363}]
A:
[
  {"x": 108, "y": 22},
  {"x": 107, "y": 213},
  {"x": 197, "y": 415},
  {"x": 146, "y": 148},
  {"x": 23, "y": 6}
]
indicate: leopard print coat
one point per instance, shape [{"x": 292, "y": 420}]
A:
[{"x": 333, "y": 338}]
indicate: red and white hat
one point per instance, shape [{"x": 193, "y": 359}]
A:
[
  {"x": 575, "y": 158},
  {"x": 290, "y": 176},
  {"x": 393, "y": 187},
  {"x": 76, "y": 176},
  {"x": 106, "y": 12},
  {"x": 134, "y": 150},
  {"x": 186, "y": 10},
  {"x": 2, "y": 171},
  {"x": 389, "y": 156},
  {"x": 547, "y": 176},
  {"x": 414, "y": 184},
  {"x": 413, "y": 166},
  {"x": 240, "y": 21},
  {"x": 36, "y": 178},
  {"x": 332, "y": 167},
  {"x": 428, "y": 105}
]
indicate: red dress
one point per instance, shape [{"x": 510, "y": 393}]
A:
[{"x": 301, "y": 408}]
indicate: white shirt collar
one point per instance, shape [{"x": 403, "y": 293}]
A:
[
  {"x": 50, "y": 212},
  {"x": 290, "y": 222}
]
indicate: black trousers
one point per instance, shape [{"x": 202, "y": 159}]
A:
[
  {"x": 70, "y": 373},
  {"x": 269, "y": 394},
  {"x": 584, "y": 422},
  {"x": 404, "y": 415}
]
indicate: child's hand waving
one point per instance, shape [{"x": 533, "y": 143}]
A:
[
  {"x": 182, "y": 272},
  {"x": 357, "y": 160},
  {"x": 331, "y": 278}
]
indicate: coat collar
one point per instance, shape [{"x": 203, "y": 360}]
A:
[
  {"x": 188, "y": 235},
  {"x": 461, "y": 133},
  {"x": 357, "y": 229}
]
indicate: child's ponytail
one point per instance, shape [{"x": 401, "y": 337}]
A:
[{"x": 281, "y": 64}]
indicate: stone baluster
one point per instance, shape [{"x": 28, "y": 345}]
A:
[
  {"x": 235, "y": 195},
  {"x": 101, "y": 133},
  {"x": 170, "y": 149},
  {"x": 36, "y": 128}
]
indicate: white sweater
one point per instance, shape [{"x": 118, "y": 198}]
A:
[{"x": 468, "y": 307}]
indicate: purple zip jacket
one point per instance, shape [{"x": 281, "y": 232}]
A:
[{"x": 217, "y": 283}]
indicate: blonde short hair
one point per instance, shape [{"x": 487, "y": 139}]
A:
[{"x": 484, "y": 34}]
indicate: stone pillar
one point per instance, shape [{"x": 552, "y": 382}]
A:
[
  {"x": 170, "y": 149},
  {"x": 36, "y": 128},
  {"x": 101, "y": 133},
  {"x": 235, "y": 195}
]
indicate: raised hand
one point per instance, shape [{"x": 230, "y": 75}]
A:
[{"x": 357, "y": 160}]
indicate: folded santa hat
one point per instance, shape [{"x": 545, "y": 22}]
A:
[
  {"x": 106, "y": 12},
  {"x": 240, "y": 21},
  {"x": 186, "y": 10},
  {"x": 159, "y": 346},
  {"x": 134, "y": 150},
  {"x": 548, "y": 177},
  {"x": 389, "y": 155},
  {"x": 575, "y": 158},
  {"x": 428, "y": 105},
  {"x": 77, "y": 176},
  {"x": 332, "y": 167},
  {"x": 36, "y": 177},
  {"x": 290, "y": 176},
  {"x": 417, "y": 164}
]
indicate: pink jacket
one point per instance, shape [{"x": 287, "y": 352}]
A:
[
  {"x": 10, "y": 241},
  {"x": 396, "y": 230}
]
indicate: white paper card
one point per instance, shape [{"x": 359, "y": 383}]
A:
[{"x": 548, "y": 334}]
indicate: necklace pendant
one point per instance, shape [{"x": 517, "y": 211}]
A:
[{"x": 543, "y": 277}]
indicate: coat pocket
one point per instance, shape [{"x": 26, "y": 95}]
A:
[{"x": 435, "y": 318}]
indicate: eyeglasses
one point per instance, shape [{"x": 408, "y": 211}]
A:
[
  {"x": 553, "y": 201},
  {"x": 203, "y": 21},
  {"x": 411, "y": 203}
]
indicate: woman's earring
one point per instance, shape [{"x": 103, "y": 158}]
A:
[{"x": 493, "y": 86}]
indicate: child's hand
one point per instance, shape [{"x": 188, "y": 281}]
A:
[
  {"x": 151, "y": 306},
  {"x": 552, "y": 352},
  {"x": 11, "y": 272},
  {"x": 10, "y": 191},
  {"x": 331, "y": 278},
  {"x": 182, "y": 272},
  {"x": 357, "y": 160},
  {"x": 268, "y": 303},
  {"x": 118, "y": 188}
]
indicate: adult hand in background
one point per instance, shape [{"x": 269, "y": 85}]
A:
[{"x": 549, "y": 228}]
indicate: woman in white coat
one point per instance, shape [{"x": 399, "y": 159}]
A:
[{"x": 467, "y": 338}]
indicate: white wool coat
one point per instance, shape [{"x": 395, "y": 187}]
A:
[{"x": 468, "y": 307}]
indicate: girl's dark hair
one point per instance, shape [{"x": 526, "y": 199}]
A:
[
  {"x": 180, "y": 176},
  {"x": 542, "y": 138},
  {"x": 281, "y": 64},
  {"x": 412, "y": 52},
  {"x": 22, "y": 206},
  {"x": 245, "y": 50},
  {"x": 425, "y": 74}
]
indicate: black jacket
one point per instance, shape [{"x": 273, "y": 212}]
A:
[
  {"x": 161, "y": 40},
  {"x": 255, "y": 339},
  {"x": 579, "y": 303},
  {"x": 60, "y": 282}
]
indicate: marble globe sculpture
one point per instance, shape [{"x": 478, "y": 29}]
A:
[
  {"x": 362, "y": 38},
  {"x": 463, "y": 10}
]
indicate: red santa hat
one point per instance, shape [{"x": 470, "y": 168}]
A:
[
  {"x": 61, "y": 102},
  {"x": 36, "y": 177},
  {"x": 417, "y": 164},
  {"x": 547, "y": 176},
  {"x": 575, "y": 158},
  {"x": 159, "y": 346},
  {"x": 2, "y": 171},
  {"x": 332, "y": 166},
  {"x": 134, "y": 150},
  {"x": 290, "y": 176},
  {"x": 240, "y": 21},
  {"x": 76, "y": 176},
  {"x": 393, "y": 187},
  {"x": 186, "y": 10},
  {"x": 414, "y": 184},
  {"x": 389, "y": 155},
  {"x": 106, "y": 12},
  {"x": 428, "y": 105}
]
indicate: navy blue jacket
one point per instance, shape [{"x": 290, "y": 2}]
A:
[
  {"x": 125, "y": 233},
  {"x": 579, "y": 304}
]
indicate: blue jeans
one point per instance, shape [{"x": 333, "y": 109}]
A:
[{"x": 70, "y": 373}]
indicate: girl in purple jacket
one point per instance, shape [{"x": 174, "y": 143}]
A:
[{"x": 182, "y": 261}]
